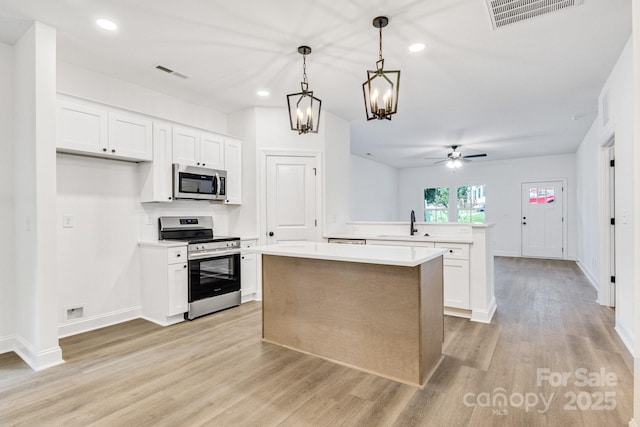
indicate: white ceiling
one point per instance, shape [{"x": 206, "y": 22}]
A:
[{"x": 510, "y": 92}]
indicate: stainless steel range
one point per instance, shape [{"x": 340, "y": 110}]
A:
[{"x": 214, "y": 263}]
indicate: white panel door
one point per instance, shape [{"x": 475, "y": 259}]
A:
[
  {"x": 186, "y": 144},
  {"x": 291, "y": 199},
  {"x": 542, "y": 219},
  {"x": 178, "y": 289},
  {"x": 130, "y": 136}
]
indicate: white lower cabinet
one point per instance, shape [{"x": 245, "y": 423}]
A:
[
  {"x": 165, "y": 283},
  {"x": 456, "y": 274},
  {"x": 248, "y": 270},
  {"x": 455, "y": 269}
]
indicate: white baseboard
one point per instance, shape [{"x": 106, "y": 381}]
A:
[
  {"x": 594, "y": 282},
  {"x": 168, "y": 320},
  {"x": 37, "y": 360},
  {"x": 484, "y": 315},
  {"x": 627, "y": 339},
  {"x": 7, "y": 344},
  {"x": 633, "y": 423},
  {"x": 96, "y": 322},
  {"x": 507, "y": 254},
  {"x": 247, "y": 298}
]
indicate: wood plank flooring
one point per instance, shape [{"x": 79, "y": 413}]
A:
[{"x": 216, "y": 370}]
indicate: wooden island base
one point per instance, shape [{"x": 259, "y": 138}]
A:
[{"x": 382, "y": 319}]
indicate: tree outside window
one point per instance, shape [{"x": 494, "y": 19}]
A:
[
  {"x": 436, "y": 204},
  {"x": 471, "y": 203}
]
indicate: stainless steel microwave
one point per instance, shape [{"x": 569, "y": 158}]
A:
[{"x": 191, "y": 182}]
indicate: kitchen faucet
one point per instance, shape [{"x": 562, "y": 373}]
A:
[{"x": 413, "y": 221}]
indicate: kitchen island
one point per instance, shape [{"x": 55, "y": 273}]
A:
[{"x": 377, "y": 309}]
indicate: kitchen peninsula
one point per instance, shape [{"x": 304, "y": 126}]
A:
[{"x": 377, "y": 309}]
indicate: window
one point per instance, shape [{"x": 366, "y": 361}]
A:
[
  {"x": 542, "y": 195},
  {"x": 466, "y": 203},
  {"x": 436, "y": 204},
  {"x": 471, "y": 202}
]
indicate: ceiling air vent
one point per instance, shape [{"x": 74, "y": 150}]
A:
[
  {"x": 505, "y": 12},
  {"x": 172, "y": 72}
]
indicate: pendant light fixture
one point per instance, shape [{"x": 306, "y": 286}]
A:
[
  {"x": 304, "y": 108},
  {"x": 381, "y": 88}
]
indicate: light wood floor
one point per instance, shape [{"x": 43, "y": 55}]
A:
[{"x": 216, "y": 371}]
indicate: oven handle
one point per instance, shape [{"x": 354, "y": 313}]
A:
[{"x": 213, "y": 254}]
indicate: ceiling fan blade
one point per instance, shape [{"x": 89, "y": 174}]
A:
[
  {"x": 433, "y": 158},
  {"x": 475, "y": 155},
  {"x": 441, "y": 161}
]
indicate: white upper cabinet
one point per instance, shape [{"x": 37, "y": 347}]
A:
[
  {"x": 186, "y": 146},
  {"x": 233, "y": 166},
  {"x": 130, "y": 136},
  {"x": 81, "y": 128},
  {"x": 156, "y": 177},
  {"x": 193, "y": 147},
  {"x": 212, "y": 151},
  {"x": 100, "y": 131}
]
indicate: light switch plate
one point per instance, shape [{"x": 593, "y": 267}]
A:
[{"x": 67, "y": 221}]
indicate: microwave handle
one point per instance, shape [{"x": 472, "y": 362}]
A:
[{"x": 218, "y": 184}]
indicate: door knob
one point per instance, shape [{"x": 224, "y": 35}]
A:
[{"x": 271, "y": 234}]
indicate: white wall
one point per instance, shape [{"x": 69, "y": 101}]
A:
[
  {"x": 103, "y": 197},
  {"x": 337, "y": 167},
  {"x": 619, "y": 87},
  {"x": 267, "y": 129},
  {"x": 84, "y": 83},
  {"x": 503, "y": 180},
  {"x": 35, "y": 183},
  {"x": 7, "y": 267},
  {"x": 374, "y": 191}
]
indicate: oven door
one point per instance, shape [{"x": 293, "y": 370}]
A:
[{"x": 213, "y": 276}]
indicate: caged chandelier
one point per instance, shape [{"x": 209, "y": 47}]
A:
[
  {"x": 304, "y": 108},
  {"x": 381, "y": 88}
]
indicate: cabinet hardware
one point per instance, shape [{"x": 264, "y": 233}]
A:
[
  {"x": 104, "y": 149},
  {"x": 113, "y": 150}
]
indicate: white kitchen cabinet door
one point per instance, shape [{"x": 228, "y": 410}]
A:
[
  {"x": 81, "y": 128},
  {"x": 211, "y": 151},
  {"x": 233, "y": 166},
  {"x": 130, "y": 136},
  {"x": 248, "y": 274},
  {"x": 156, "y": 177},
  {"x": 456, "y": 283},
  {"x": 186, "y": 146},
  {"x": 178, "y": 289}
]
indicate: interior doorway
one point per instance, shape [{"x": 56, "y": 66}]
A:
[
  {"x": 608, "y": 203},
  {"x": 542, "y": 224},
  {"x": 292, "y": 202}
]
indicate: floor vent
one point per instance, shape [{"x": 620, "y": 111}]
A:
[
  {"x": 172, "y": 72},
  {"x": 505, "y": 12}
]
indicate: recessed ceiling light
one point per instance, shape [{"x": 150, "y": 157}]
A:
[
  {"x": 106, "y": 24},
  {"x": 263, "y": 93},
  {"x": 417, "y": 47}
]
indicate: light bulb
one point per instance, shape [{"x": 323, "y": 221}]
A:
[{"x": 450, "y": 164}]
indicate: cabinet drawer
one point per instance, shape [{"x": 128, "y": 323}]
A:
[
  {"x": 454, "y": 250},
  {"x": 177, "y": 255},
  {"x": 248, "y": 243}
]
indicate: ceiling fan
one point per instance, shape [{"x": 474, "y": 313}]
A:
[{"x": 455, "y": 158}]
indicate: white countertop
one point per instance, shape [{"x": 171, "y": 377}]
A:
[
  {"x": 405, "y": 256},
  {"x": 401, "y": 238}
]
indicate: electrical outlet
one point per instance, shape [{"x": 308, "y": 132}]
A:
[
  {"x": 75, "y": 313},
  {"x": 67, "y": 221}
]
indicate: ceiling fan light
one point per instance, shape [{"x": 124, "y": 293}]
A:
[
  {"x": 450, "y": 164},
  {"x": 457, "y": 163}
]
